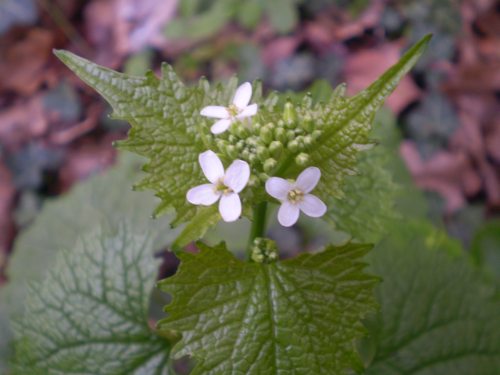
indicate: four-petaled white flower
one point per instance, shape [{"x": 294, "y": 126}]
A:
[
  {"x": 295, "y": 197},
  {"x": 225, "y": 186},
  {"x": 236, "y": 111}
]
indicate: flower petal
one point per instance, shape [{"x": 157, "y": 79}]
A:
[
  {"x": 237, "y": 175},
  {"x": 312, "y": 206},
  {"x": 215, "y": 111},
  {"x": 288, "y": 214},
  {"x": 308, "y": 179},
  {"x": 278, "y": 188},
  {"x": 220, "y": 126},
  {"x": 203, "y": 194},
  {"x": 211, "y": 165},
  {"x": 242, "y": 95},
  {"x": 248, "y": 111},
  {"x": 230, "y": 207}
]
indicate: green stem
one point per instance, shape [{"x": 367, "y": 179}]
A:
[{"x": 258, "y": 224}]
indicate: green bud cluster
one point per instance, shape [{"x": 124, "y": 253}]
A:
[
  {"x": 264, "y": 250},
  {"x": 263, "y": 144}
]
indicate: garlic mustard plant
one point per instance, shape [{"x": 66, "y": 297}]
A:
[
  {"x": 263, "y": 314},
  {"x": 223, "y": 185},
  {"x": 237, "y": 110},
  {"x": 295, "y": 197}
]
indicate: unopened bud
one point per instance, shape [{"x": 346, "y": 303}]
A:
[
  {"x": 302, "y": 159},
  {"x": 293, "y": 145},
  {"x": 289, "y": 115},
  {"x": 232, "y": 151},
  {"x": 266, "y": 134},
  {"x": 307, "y": 123},
  {"x": 241, "y": 130},
  {"x": 308, "y": 140},
  {"x": 252, "y": 158},
  {"x": 316, "y": 134},
  {"x": 269, "y": 165},
  {"x": 232, "y": 139},
  {"x": 280, "y": 135},
  {"x": 221, "y": 143},
  {"x": 263, "y": 177},
  {"x": 262, "y": 152},
  {"x": 264, "y": 250},
  {"x": 275, "y": 148},
  {"x": 240, "y": 145}
]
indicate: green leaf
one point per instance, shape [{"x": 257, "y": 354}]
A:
[
  {"x": 162, "y": 115},
  {"x": 485, "y": 247},
  {"x": 166, "y": 126},
  {"x": 298, "y": 316},
  {"x": 104, "y": 200},
  {"x": 89, "y": 315},
  {"x": 205, "y": 217},
  {"x": 5, "y": 335},
  {"x": 347, "y": 124},
  {"x": 438, "y": 315},
  {"x": 368, "y": 209}
]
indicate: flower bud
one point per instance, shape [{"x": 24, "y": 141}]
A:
[
  {"x": 252, "y": 141},
  {"x": 290, "y": 134},
  {"x": 256, "y": 127},
  {"x": 269, "y": 165},
  {"x": 308, "y": 141},
  {"x": 263, "y": 177},
  {"x": 221, "y": 143},
  {"x": 264, "y": 250},
  {"x": 241, "y": 130},
  {"x": 293, "y": 145},
  {"x": 275, "y": 148},
  {"x": 307, "y": 123},
  {"x": 289, "y": 115},
  {"x": 262, "y": 152},
  {"x": 232, "y": 151},
  {"x": 302, "y": 159},
  {"x": 252, "y": 158},
  {"x": 232, "y": 139},
  {"x": 240, "y": 145},
  {"x": 316, "y": 134},
  {"x": 266, "y": 134},
  {"x": 280, "y": 135}
]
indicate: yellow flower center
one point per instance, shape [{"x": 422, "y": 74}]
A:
[
  {"x": 220, "y": 187},
  {"x": 233, "y": 110},
  {"x": 295, "y": 196}
]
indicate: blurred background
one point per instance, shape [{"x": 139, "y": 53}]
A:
[{"x": 55, "y": 131}]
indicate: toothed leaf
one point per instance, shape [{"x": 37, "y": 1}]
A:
[
  {"x": 89, "y": 315},
  {"x": 299, "y": 316}
]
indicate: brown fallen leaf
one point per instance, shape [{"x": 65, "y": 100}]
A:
[
  {"x": 71, "y": 133},
  {"x": 22, "y": 122},
  {"x": 449, "y": 174},
  {"x": 86, "y": 157},
  {"x": 24, "y": 63},
  {"x": 379, "y": 59}
]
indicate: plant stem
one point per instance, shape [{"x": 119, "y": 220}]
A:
[{"x": 258, "y": 224}]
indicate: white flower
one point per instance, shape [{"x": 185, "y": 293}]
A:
[
  {"x": 236, "y": 111},
  {"x": 225, "y": 186},
  {"x": 295, "y": 197}
]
